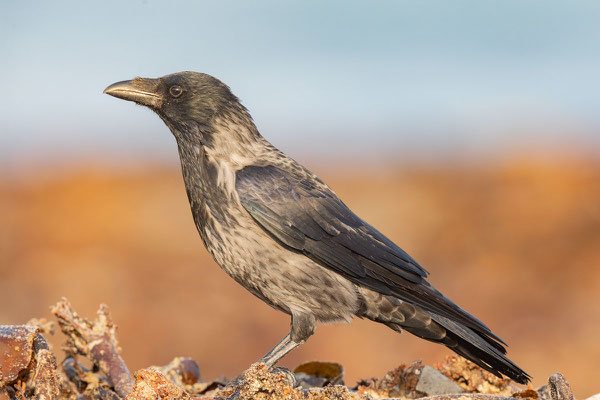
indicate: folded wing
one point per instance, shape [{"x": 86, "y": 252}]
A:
[{"x": 303, "y": 214}]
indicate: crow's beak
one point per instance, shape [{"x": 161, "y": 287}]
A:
[{"x": 140, "y": 90}]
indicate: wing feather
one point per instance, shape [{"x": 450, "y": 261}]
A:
[{"x": 305, "y": 215}]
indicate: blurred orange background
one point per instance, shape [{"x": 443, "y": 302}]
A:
[{"x": 515, "y": 242}]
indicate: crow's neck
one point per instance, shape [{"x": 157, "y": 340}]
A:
[
  {"x": 206, "y": 198},
  {"x": 209, "y": 166}
]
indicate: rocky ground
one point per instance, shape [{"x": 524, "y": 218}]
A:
[{"x": 93, "y": 369}]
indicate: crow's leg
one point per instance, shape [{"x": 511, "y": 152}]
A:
[
  {"x": 279, "y": 351},
  {"x": 303, "y": 326}
]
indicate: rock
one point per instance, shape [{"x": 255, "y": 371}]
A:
[
  {"x": 182, "y": 371},
  {"x": 473, "y": 379},
  {"x": 259, "y": 383},
  {"x": 151, "y": 384},
  {"x": 16, "y": 351},
  {"x": 97, "y": 340},
  {"x": 560, "y": 388},
  {"x": 319, "y": 374},
  {"x": 26, "y": 357},
  {"x": 45, "y": 380},
  {"x": 433, "y": 382}
]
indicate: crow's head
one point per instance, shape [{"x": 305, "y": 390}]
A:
[{"x": 189, "y": 103}]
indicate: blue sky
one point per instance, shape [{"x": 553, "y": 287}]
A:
[{"x": 393, "y": 79}]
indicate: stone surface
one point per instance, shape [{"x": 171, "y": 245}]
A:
[
  {"x": 319, "y": 374},
  {"x": 16, "y": 351},
  {"x": 151, "y": 384},
  {"x": 433, "y": 382}
]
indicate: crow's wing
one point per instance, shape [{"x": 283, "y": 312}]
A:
[{"x": 305, "y": 215}]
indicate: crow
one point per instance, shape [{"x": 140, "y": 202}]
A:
[{"x": 285, "y": 236}]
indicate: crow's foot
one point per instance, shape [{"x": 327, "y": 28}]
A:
[{"x": 288, "y": 375}]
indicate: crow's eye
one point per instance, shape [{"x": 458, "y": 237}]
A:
[{"x": 175, "y": 91}]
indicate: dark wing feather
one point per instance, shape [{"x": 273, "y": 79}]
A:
[{"x": 305, "y": 215}]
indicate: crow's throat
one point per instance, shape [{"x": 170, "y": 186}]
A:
[{"x": 208, "y": 199}]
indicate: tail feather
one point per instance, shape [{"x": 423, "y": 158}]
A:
[
  {"x": 479, "y": 350},
  {"x": 484, "y": 350}
]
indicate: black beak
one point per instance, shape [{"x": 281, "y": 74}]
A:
[{"x": 140, "y": 90}]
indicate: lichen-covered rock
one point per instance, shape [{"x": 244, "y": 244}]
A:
[
  {"x": 45, "y": 380},
  {"x": 16, "y": 351},
  {"x": 97, "y": 340},
  {"x": 400, "y": 382},
  {"x": 26, "y": 361},
  {"x": 151, "y": 384},
  {"x": 258, "y": 383},
  {"x": 473, "y": 379}
]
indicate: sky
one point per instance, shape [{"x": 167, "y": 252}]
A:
[{"x": 399, "y": 80}]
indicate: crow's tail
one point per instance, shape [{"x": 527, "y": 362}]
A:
[
  {"x": 474, "y": 346},
  {"x": 478, "y": 347}
]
